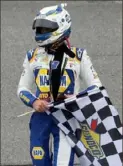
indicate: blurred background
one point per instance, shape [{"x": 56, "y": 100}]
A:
[{"x": 96, "y": 26}]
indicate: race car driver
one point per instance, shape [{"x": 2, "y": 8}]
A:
[{"x": 57, "y": 70}]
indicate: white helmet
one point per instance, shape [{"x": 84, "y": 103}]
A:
[{"x": 52, "y": 24}]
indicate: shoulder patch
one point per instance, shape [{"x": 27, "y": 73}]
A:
[
  {"x": 79, "y": 53},
  {"x": 30, "y": 54}
]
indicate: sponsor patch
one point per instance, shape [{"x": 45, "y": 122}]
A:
[
  {"x": 43, "y": 82},
  {"x": 91, "y": 139},
  {"x": 24, "y": 98},
  {"x": 79, "y": 53},
  {"x": 38, "y": 153},
  {"x": 54, "y": 64},
  {"x": 43, "y": 95}
]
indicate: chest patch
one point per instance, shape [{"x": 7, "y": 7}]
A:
[
  {"x": 54, "y": 64},
  {"x": 43, "y": 82}
]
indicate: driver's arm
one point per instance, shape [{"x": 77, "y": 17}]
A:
[
  {"x": 25, "y": 85},
  {"x": 87, "y": 72}
]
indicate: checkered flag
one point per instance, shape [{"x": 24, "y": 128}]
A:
[{"x": 92, "y": 127}]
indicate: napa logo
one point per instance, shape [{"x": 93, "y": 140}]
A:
[
  {"x": 43, "y": 82},
  {"x": 38, "y": 153},
  {"x": 91, "y": 139}
]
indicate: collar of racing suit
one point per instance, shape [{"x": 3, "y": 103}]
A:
[{"x": 55, "y": 74}]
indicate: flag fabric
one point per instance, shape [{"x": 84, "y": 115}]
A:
[{"x": 92, "y": 127}]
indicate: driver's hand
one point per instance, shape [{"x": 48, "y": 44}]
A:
[{"x": 40, "y": 105}]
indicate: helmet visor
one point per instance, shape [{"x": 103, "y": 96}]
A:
[
  {"x": 42, "y": 30},
  {"x": 42, "y": 23}
]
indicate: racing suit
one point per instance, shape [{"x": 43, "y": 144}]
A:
[{"x": 36, "y": 70}]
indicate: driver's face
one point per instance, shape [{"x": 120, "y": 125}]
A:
[{"x": 43, "y": 30}]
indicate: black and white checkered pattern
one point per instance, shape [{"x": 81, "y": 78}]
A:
[{"x": 72, "y": 113}]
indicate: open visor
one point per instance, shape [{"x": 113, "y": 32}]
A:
[{"x": 45, "y": 24}]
